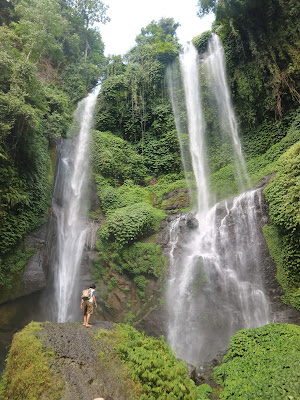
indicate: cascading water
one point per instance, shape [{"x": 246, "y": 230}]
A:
[
  {"x": 216, "y": 70},
  {"x": 196, "y": 126},
  {"x": 214, "y": 287},
  {"x": 70, "y": 209}
]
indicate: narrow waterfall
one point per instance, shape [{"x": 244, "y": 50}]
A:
[
  {"x": 196, "y": 125},
  {"x": 70, "y": 209},
  {"x": 216, "y": 70},
  {"x": 214, "y": 288}
]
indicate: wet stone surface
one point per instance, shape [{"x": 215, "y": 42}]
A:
[{"x": 74, "y": 358}]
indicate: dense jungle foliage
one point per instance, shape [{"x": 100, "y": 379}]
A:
[
  {"x": 245, "y": 376},
  {"x": 50, "y": 56},
  {"x": 135, "y": 126}
]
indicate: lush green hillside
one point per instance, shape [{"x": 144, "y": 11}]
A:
[{"x": 49, "y": 58}]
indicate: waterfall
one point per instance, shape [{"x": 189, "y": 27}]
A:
[
  {"x": 196, "y": 126},
  {"x": 216, "y": 70},
  {"x": 70, "y": 209},
  {"x": 215, "y": 285}
]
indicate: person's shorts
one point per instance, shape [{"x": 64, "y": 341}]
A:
[{"x": 87, "y": 307}]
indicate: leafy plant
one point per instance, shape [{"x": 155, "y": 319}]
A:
[
  {"x": 261, "y": 363},
  {"x": 130, "y": 223},
  {"x": 152, "y": 363}
]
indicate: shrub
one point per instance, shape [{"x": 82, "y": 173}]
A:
[
  {"x": 130, "y": 223},
  {"x": 152, "y": 363},
  {"x": 262, "y": 363},
  {"x": 285, "y": 253},
  {"x": 283, "y": 193},
  {"x": 115, "y": 158}
]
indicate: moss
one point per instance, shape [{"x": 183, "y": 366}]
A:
[{"x": 27, "y": 374}]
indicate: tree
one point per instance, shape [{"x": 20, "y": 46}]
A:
[
  {"x": 91, "y": 11},
  {"x": 206, "y": 6},
  {"x": 40, "y": 26}
]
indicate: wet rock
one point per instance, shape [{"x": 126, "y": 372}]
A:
[
  {"x": 74, "y": 356},
  {"x": 33, "y": 278},
  {"x": 192, "y": 222},
  {"x": 176, "y": 199}
]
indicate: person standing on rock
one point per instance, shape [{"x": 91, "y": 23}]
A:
[{"x": 87, "y": 306}]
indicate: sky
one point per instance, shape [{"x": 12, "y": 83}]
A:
[{"x": 128, "y": 17}]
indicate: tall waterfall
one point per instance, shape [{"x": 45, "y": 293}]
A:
[
  {"x": 196, "y": 126},
  {"x": 70, "y": 208},
  {"x": 216, "y": 70},
  {"x": 214, "y": 287}
]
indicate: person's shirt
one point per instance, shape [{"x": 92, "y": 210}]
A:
[{"x": 91, "y": 300}]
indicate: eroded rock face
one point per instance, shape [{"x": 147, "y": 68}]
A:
[{"x": 33, "y": 278}]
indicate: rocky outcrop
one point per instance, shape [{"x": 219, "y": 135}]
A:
[
  {"x": 33, "y": 278},
  {"x": 176, "y": 199},
  {"x": 82, "y": 365}
]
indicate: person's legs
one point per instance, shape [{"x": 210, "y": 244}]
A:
[
  {"x": 84, "y": 309},
  {"x": 88, "y": 320},
  {"x": 89, "y": 312}
]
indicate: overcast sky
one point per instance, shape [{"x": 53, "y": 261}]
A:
[{"x": 128, "y": 17}]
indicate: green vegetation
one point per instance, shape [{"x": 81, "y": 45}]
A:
[
  {"x": 283, "y": 237},
  {"x": 134, "y": 103},
  {"x": 10, "y": 272},
  {"x": 262, "y": 363},
  {"x": 27, "y": 374},
  {"x": 131, "y": 199},
  {"x": 49, "y": 58},
  {"x": 261, "y": 43},
  {"x": 153, "y": 365},
  {"x": 263, "y": 148},
  {"x": 130, "y": 223}
]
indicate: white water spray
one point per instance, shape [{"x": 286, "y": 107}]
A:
[
  {"x": 214, "y": 287},
  {"x": 70, "y": 208},
  {"x": 216, "y": 69},
  {"x": 215, "y": 284},
  {"x": 196, "y": 125}
]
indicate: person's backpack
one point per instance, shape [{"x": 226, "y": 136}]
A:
[{"x": 86, "y": 294}]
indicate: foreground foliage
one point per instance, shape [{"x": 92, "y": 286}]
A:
[
  {"x": 152, "y": 364},
  {"x": 262, "y": 363}
]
